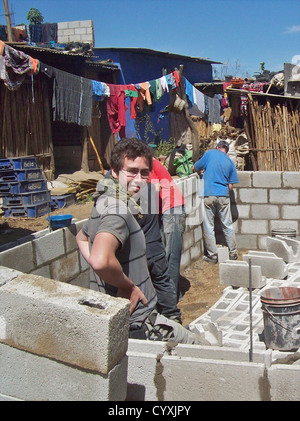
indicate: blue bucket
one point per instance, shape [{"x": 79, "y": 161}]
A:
[{"x": 60, "y": 221}]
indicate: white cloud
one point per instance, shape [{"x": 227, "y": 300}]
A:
[{"x": 292, "y": 29}]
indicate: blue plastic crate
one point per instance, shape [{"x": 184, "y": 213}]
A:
[
  {"x": 18, "y": 163},
  {"x": 26, "y": 198},
  {"x": 7, "y": 189},
  {"x": 20, "y": 175},
  {"x": 31, "y": 211},
  {"x": 58, "y": 202}
]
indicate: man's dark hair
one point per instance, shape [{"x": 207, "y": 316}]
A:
[{"x": 130, "y": 148}]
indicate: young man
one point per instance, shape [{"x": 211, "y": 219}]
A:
[
  {"x": 219, "y": 177},
  {"x": 113, "y": 244}
]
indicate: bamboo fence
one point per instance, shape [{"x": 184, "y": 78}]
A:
[
  {"x": 273, "y": 132},
  {"x": 25, "y": 127}
]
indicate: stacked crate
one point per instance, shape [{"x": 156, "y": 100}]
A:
[{"x": 23, "y": 188}]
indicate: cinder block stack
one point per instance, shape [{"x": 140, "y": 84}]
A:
[{"x": 23, "y": 188}]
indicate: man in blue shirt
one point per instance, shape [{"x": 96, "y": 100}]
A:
[{"x": 219, "y": 177}]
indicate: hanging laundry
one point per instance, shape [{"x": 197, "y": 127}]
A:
[
  {"x": 35, "y": 33},
  {"x": 164, "y": 84},
  {"x": 177, "y": 78},
  {"x": 100, "y": 90},
  {"x": 132, "y": 92},
  {"x": 72, "y": 98},
  {"x": 143, "y": 95},
  {"x": 214, "y": 110},
  {"x": 171, "y": 81},
  {"x": 35, "y": 66},
  {"x": 198, "y": 108},
  {"x": 15, "y": 66},
  {"x": 46, "y": 69},
  {"x": 189, "y": 92},
  {"x": 49, "y": 32},
  {"x": 116, "y": 109},
  {"x": 156, "y": 90}
]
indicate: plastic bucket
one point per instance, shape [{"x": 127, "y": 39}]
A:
[
  {"x": 284, "y": 232},
  {"x": 281, "y": 315},
  {"x": 60, "y": 221}
]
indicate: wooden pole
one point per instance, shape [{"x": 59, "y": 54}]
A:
[
  {"x": 95, "y": 149},
  {"x": 195, "y": 139},
  {"x": 8, "y": 24}
]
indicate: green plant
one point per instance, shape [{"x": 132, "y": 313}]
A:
[
  {"x": 34, "y": 16},
  {"x": 164, "y": 147}
]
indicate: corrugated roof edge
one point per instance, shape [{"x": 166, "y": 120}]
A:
[{"x": 155, "y": 52}]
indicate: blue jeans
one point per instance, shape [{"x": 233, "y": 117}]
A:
[
  {"x": 173, "y": 227},
  {"x": 164, "y": 287},
  {"x": 220, "y": 206}
]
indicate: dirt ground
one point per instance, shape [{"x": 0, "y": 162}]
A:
[{"x": 199, "y": 281}]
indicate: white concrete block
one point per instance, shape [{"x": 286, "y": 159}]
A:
[
  {"x": 237, "y": 274},
  {"x": 19, "y": 258},
  {"x": 223, "y": 254},
  {"x": 285, "y": 196},
  {"x": 281, "y": 249},
  {"x": 271, "y": 265},
  {"x": 63, "y": 322},
  {"x": 211, "y": 380},
  {"x": 284, "y": 382},
  {"x": 29, "y": 377},
  {"x": 49, "y": 247}
]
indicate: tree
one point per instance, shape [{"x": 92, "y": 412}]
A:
[{"x": 34, "y": 16}]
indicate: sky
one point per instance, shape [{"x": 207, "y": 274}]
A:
[{"x": 239, "y": 33}]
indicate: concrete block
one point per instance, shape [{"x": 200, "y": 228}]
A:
[
  {"x": 253, "y": 195},
  {"x": 291, "y": 179},
  {"x": 284, "y": 382},
  {"x": 74, "y": 325},
  {"x": 244, "y": 211},
  {"x": 245, "y": 178},
  {"x": 283, "y": 225},
  {"x": 196, "y": 252},
  {"x": 282, "y": 249},
  {"x": 237, "y": 274},
  {"x": 7, "y": 274},
  {"x": 265, "y": 211},
  {"x": 223, "y": 305},
  {"x": 267, "y": 179},
  {"x": 29, "y": 377},
  {"x": 223, "y": 254},
  {"x": 20, "y": 258},
  {"x": 290, "y": 212},
  {"x": 49, "y": 247},
  {"x": 271, "y": 265},
  {"x": 65, "y": 268},
  {"x": 208, "y": 331},
  {"x": 254, "y": 227},
  {"x": 246, "y": 241},
  {"x": 212, "y": 380},
  {"x": 285, "y": 196}
]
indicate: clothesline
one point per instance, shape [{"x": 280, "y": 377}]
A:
[{"x": 73, "y": 95}]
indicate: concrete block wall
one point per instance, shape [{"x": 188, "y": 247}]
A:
[
  {"x": 265, "y": 200},
  {"x": 199, "y": 373},
  {"x": 52, "y": 254},
  {"x": 76, "y": 31},
  {"x": 192, "y": 247}
]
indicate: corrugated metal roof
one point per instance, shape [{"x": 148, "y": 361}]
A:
[{"x": 158, "y": 53}]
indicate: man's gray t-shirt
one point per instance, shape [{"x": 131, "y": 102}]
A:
[{"x": 113, "y": 216}]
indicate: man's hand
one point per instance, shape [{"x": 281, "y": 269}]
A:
[{"x": 134, "y": 295}]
